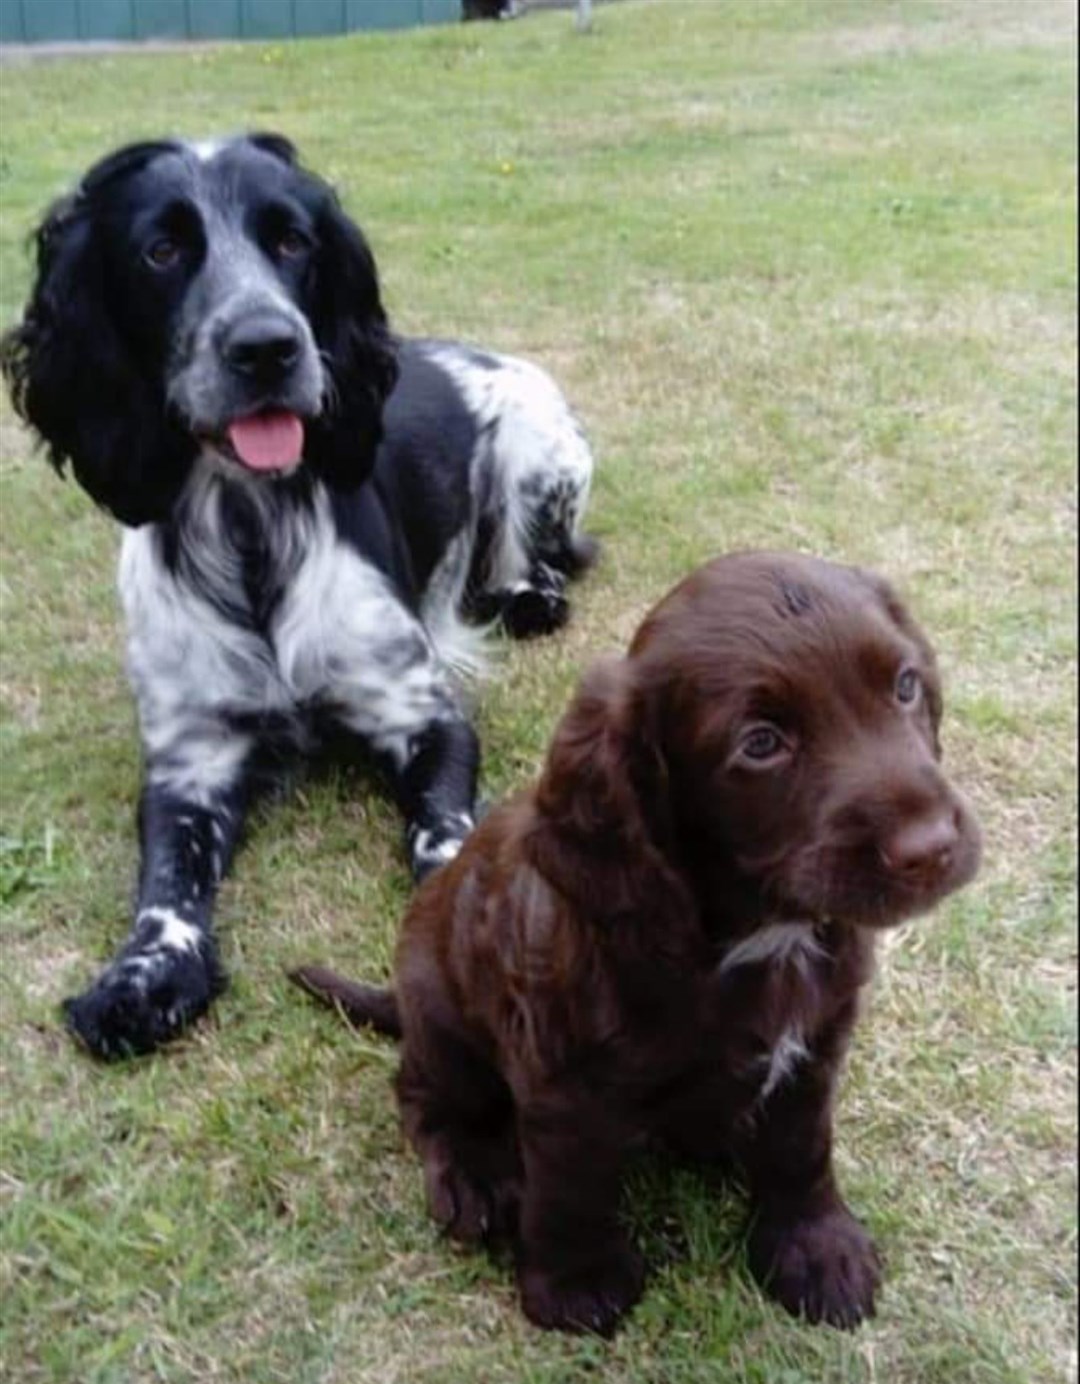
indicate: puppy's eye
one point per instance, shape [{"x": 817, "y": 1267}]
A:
[
  {"x": 761, "y": 743},
  {"x": 908, "y": 686},
  {"x": 163, "y": 253},
  {"x": 290, "y": 244}
]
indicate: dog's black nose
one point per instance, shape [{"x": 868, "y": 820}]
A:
[{"x": 263, "y": 348}]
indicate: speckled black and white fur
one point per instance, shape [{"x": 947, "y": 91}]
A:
[{"x": 183, "y": 287}]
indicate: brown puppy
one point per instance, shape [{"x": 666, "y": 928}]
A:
[{"x": 666, "y": 937}]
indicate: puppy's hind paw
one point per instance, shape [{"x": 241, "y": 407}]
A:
[{"x": 591, "y": 1298}]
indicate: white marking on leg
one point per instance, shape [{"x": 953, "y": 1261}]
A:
[{"x": 176, "y": 934}]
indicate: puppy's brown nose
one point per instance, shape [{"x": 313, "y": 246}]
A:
[{"x": 924, "y": 846}]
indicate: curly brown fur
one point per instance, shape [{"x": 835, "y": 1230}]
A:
[{"x": 666, "y": 937}]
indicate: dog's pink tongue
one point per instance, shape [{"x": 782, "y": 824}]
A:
[{"x": 268, "y": 441}]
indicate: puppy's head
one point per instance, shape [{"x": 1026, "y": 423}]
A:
[
  {"x": 207, "y": 298},
  {"x": 797, "y": 705}
]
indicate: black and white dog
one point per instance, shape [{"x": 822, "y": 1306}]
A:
[{"x": 313, "y": 509}]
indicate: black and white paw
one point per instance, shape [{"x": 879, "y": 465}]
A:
[
  {"x": 432, "y": 844},
  {"x": 537, "y": 606},
  {"x": 165, "y": 978},
  {"x": 531, "y": 611},
  {"x": 527, "y": 608}
]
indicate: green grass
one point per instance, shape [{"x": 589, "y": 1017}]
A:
[{"x": 807, "y": 268}]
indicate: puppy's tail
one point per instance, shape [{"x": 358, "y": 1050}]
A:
[{"x": 364, "y": 1006}]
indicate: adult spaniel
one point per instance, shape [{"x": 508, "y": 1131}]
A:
[
  {"x": 665, "y": 938},
  {"x": 312, "y": 509}
]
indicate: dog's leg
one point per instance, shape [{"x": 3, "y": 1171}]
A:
[
  {"x": 167, "y": 971},
  {"x": 806, "y": 1248},
  {"x": 538, "y": 470},
  {"x": 577, "y": 1270},
  {"x": 387, "y": 685},
  {"x": 433, "y": 770},
  {"x": 435, "y": 785}
]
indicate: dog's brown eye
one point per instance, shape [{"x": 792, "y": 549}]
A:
[
  {"x": 908, "y": 686},
  {"x": 762, "y": 743},
  {"x": 290, "y": 244},
  {"x": 163, "y": 253}
]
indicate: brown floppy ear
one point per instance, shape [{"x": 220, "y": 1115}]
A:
[
  {"x": 906, "y": 623},
  {"x": 602, "y": 807}
]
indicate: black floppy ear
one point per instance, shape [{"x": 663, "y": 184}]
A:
[
  {"x": 602, "y": 810},
  {"x": 77, "y": 383},
  {"x": 270, "y": 142},
  {"x": 357, "y": 348}
]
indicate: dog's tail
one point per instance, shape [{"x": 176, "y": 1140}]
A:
[{"x": 365, "y": 1006}]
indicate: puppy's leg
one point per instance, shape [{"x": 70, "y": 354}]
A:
[
  {"x": 577, "y": 1270},
  {"x": 167, "y": 971},
  {"x": 458, "y": 1115},
  {"x": 806, "y": 1248},
  {"x": 537, "y": 473}
]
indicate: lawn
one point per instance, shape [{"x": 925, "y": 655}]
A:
[{"x": 807, "y": 269}]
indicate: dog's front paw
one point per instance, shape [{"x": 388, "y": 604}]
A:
[
  {"x": 149, "y": 994},
  {"x": 824, "y": 1268},
  {"x": 434, "y": 844},
  {"x": 592, "y": 1297}
]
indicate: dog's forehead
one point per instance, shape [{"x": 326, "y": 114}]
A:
[
  {"x": 228, "y": 175},
  {"x": 242, "y": 158},
  {"x": 243, "y": 173}
]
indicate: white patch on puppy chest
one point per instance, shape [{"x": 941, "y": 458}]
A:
[
  {"x": 778, "y": 943},
  {"x": 789, "y": 1051}
]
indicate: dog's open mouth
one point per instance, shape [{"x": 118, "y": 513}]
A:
[{"x": 271, "y": 440}]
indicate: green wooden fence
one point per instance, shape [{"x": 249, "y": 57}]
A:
[{"x": 70, "y": 21}]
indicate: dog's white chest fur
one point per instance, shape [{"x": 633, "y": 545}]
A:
[{"x": 338, "y": 636}]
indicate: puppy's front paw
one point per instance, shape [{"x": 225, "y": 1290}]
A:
[
  {"x": 823, "y": 1268},
  {"x": 591, "y": 1297},
  {"x": 149, "y": 994}
]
